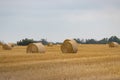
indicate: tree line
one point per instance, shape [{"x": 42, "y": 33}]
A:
[
  {"x": 26, "y": 41},
  {"x": 102, "y": 41}
]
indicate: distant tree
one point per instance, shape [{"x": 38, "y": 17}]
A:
[
  {"x": 91, "y": 41},
  {"x": 103, "y": 41},
  {"x": 114, "y": 38},
  {"x": 44, "y": 41},
  {"x": 82, "y": 41},
  {"x": 58, "y": 43},
  {"x": 79, "y": 41},
  {"x": 25, "y": 41}
]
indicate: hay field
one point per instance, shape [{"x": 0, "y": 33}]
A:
[{"x": 91, "y": 62}]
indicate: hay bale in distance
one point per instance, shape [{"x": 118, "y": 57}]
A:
[
  {"x": 69, "y": 46},
  {"x": 50, "y": 44},
  {"x": 1, "y": 43},
  {"x": 12, "y": 44},
  {"x": 35, "y": 48},
  {"x": 113, "y": 44},
  {"x": 6, "y": 47}
]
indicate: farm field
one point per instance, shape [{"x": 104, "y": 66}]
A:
[{"x": 91, "y": 62}]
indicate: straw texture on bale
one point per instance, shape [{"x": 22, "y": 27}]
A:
[
  {"x": 69, "y": 46},
  {"x": 35, "y": 48},
  {"x": 6, "y": 47},
  {"x": 113, "y": 44}
]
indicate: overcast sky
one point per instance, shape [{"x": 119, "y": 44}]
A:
[{"x": 56, "y": 20}]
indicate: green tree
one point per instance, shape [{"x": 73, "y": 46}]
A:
[
  {"x": 103, "y": 41},
  {"x": 91, "y": 41},
  {"x": 114, "y": 38},
  {"x": 44, "y": 41},
  {"x": 25, "y": 41}
]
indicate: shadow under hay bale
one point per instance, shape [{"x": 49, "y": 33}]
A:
[
  {"x": 113, "y": 44},
  {"x": 35, "y": 48},
  {"x": 69, "y": 46}
]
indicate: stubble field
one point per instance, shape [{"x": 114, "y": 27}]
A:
[{"x": 91, "y": 62}]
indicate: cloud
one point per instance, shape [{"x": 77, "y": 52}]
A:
[
  {"x": 52, "y": 18},
  {"x": 93, "y": 15}
]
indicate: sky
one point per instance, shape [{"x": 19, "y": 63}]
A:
[{"x": 57, "y": 20}]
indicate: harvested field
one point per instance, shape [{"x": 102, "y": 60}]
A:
[{"x": 91, "y": 62}]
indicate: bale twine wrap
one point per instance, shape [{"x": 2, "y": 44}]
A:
[
  {"x": 35, "y": 48},
  {"x": 6, "y": 47},
  {"x": 69, "y": 46},
  {"x": 113, "y": 44}
]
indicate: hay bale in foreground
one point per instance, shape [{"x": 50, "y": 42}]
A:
[
  {"x": 69, "y": 46},
  {"x": 6, "y": 47},
  {"x": 113, "y": 44},
  {"x": 35, "y": 48}
]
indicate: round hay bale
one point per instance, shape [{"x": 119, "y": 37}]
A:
[
  {"x": 1, "y": 43},
  {"x": 113, "y": 44},
  {"x": 69, "y": 46},
  {"x": 6, "y": 47},
  {"x": 35, "y": 48},
  {"x": 50, "y": 44},
  {"x": 12, "y": 44}
]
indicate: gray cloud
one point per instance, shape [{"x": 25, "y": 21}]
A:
[{"x": 53, "y": 18}]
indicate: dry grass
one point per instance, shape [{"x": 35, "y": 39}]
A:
[{"x": 92, "y": 62}]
